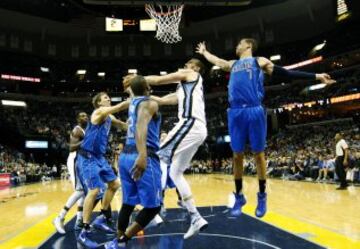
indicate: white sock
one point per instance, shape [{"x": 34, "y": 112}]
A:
[
  {"x": 184, "y": 190},
  {"x": 63, "y": 212},
  {"x": 190, "y": 205},
  {"x": 70, "y": 203},
  {"x": 80, "y": 203}
]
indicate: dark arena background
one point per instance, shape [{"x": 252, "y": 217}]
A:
[{"x": 55, "y": 55}]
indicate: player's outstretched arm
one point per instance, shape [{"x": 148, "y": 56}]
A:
[
  {"x": 171, "y": 78},
  {"x": 118, "y": 123},
  {"x": 146, "y": 111},
  {"x": 102, "y": 112},
  {"x": 223, "y": 64},
  {"x": 272, "y": 69},
  {"x": 170, "y": 99},
  {"x": 156, "y": 80}
]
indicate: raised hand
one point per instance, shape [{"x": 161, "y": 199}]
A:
[
  {"x": 325, "y": 78},
  {"x": 201, "y": 48},
  {"x": 126, "y": 80}
]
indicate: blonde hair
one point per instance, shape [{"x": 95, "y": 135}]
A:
[
  {"x": 97, "y": 98},
  {"x": 253, "y": 42}
]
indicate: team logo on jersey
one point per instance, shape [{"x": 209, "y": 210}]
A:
[{"x": 241, "y": 67}]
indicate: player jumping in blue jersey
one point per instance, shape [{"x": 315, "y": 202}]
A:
[
  {"x": 246, "y": 116},
  {"x": 139, "y": 164},
  {"x": 94, "y": 168}
]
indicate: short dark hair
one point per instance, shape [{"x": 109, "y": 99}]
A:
[
  {"x": 138, "y": 85},
  {"x": 78, "y": 114},
  {"x": 200, "y": 64},
  {"x": 253, "y": 42},
  {"x": 96, "y": 99},
  {"x": 341, "y": 134}
]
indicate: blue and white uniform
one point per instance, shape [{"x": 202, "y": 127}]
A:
[
  {"x": 94, "y": 169},
  {"x": 147, "y": 190},
  {"x": 189, "y": 133},
  {"x": 246, "y": 116}
]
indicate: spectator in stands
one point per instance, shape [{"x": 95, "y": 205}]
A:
[
  {"x": 321, "y": 168},
  {"x": 14, "y": 177},
  {"x": 54, "y": 171},
  {"x": 63, "y": 172},
  {"x": 297, "y": 170},
  {"x": 357, "y": 166}
]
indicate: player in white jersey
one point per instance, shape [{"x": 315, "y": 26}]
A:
[
  {"x": 166, "y": 182},
  {"x": 190, "y": 132},
  {"x": 76, "y": 137}
]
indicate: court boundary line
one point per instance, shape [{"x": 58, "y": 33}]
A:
[
  {"x": 346, "y": 240},
  {"x": 46, "y": 236},
  {"x": 356, "y": 185},
  {"x": 284, "y": 230},
  {"x": 272, "y": 222},
  {"x": 319, "y": 225},
  {"x": 211, "y": 235},
  {"x": 32, "y": 228}
]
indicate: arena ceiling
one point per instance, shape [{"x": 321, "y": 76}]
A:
[{"x": 68, "y": 10}]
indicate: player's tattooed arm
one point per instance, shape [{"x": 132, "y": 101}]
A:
[
  {"x": 146, "y": 111},
  {"x": 170, "y": 99},
  {"x": 118, "y": 123},
  {"x": 75, "y": 139},
  {"x": 213, "y": 59}
]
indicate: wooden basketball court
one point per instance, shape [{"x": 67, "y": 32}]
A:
[{"x": 313, "y": 211}]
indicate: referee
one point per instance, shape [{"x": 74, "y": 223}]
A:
[{"x": 341, "y": 161}]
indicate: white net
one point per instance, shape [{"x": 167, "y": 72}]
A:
[{"x": 167, "y": 19}]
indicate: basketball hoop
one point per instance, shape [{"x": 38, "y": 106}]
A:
[{"x": 167, "y": 19}]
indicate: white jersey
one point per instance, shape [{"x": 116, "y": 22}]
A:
[
  {"x": 189, "y": 133},
  {"x": 71, "y": 164},
  {"x": 83, "y": 131},
  {"x": 72, "y": 154},
  {"x": 191, "y": 100}
]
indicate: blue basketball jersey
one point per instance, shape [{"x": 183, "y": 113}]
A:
[
  {"x": 96, "y": 137},
  {"x": 246, "y": 84},
  {"x": 153, "y": 134}
]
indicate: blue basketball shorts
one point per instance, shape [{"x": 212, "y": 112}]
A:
[
  {"x": 147, "y": 190},
  {"x": 247, "y": 124},
  {"x": 95, "y": 171}
]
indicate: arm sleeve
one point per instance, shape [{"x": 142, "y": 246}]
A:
[{"x": 291, "y": 74}]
